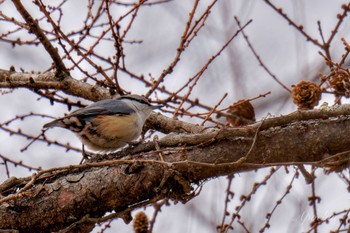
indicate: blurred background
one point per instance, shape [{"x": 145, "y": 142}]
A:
[{"x": 150, "y": 47}]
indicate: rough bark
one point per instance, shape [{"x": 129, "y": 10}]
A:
[
  {"x": 49, "y": 80},
  {"x": 55, "y": 199}
]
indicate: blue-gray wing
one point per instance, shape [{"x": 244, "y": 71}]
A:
[
  {"x": 104, "y": 107},
  {"x": 75, "y": 121}
]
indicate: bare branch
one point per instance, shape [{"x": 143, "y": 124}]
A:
[
  {"x": 47, "y": 80},
  {"x": 35, "y": 28},
  {"x": 259, "y": 59},
  {"x": 140, "y": 177},
  {"x": 299, "y": 28}
]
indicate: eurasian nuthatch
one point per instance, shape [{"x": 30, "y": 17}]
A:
[{"x": 110, "y": 124}]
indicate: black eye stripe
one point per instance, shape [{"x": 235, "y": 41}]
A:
[
  {"x": 140, "y": 99},
  {"x": 143, "y": 102}
]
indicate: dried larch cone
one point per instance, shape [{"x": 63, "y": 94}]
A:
[
  {"x": 340, "y": 82},
  {"x": 306, "y": 95},
  {"x": 241, "y": 113},
  {"x": 140, "y": 223}
]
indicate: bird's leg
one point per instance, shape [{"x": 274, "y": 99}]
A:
[{"x": 85, "y": 155}]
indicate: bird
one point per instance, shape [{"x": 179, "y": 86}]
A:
[{"x": 110, "y": 124}]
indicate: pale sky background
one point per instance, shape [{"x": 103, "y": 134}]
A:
[{"x": 236, "y": 71}]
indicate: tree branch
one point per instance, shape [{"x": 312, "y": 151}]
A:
[
  {"x": 35, "y": 28},
  {"x": 69, "y": 85},
  {"x": 95, "y": 188}
]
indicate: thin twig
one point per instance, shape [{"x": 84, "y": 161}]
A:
[
  {"x": 35, "y": 28},
  {"x": 259, "y": 59},
  {"x": 196, "y": 77},
  {"x": 299, "y": 28}
]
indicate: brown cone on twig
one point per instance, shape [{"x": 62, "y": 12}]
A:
[
  {"x": 140, "y": 223},
  {"x": 241, "y": 113},
  {"x": 306, "y": 95},
  {"x": 340, "y": 82}
]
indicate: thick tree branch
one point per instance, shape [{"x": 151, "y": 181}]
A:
[
  {"x": 69, "y": 85},
  {"x": 92, "y": 189}
]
